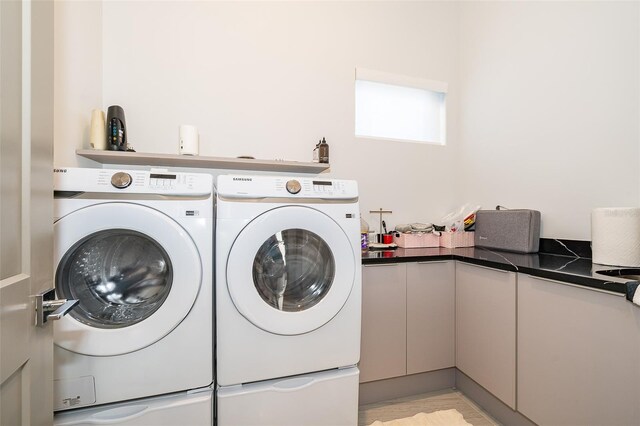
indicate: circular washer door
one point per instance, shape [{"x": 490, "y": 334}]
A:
[
  {"x": 291, "y": 270},
  {"x": 135, "y": 271}
]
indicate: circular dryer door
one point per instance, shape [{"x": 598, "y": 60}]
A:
[
  {"x": 135, "y": 271},
  {"x": 291, "y": 270}
]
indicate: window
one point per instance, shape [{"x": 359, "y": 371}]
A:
[{"x": 401, "y": 108}]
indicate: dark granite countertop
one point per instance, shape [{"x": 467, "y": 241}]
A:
[{"x": 570, "y": 269}]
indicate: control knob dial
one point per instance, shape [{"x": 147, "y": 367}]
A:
[
  {"x": 121, "y": 180},
  {"x": 293, "y": 186}
]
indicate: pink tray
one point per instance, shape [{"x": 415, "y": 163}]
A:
[
  {"x": 417, "y": 240},
  {"x": 456, "y": 239}
]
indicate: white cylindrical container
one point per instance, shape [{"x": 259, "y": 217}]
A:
[
  {"x": 189, "y": 140},
  {"x": 615, "y": 236},
  {"x": 98, "y": 136}
]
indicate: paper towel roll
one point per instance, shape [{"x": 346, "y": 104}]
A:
[
  {"x": 98, "y": 136},
  {"x": 189, "y": 140},
  {"x": 615, "y": 236}
]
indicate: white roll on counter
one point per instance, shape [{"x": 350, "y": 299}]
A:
[{"x": 615, "y": 236}]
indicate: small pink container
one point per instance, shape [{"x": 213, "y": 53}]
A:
[
  {"x": 416, "y": 240},
  {"x": 456, "y": 239}
]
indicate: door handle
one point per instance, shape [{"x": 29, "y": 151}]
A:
[
  {"x": 62, "y": 310},
  {"x": 50, "y": 308}
]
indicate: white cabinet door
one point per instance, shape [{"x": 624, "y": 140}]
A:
[
  {"x": 383, "y": 350},
  {"x": 430, "y": 316},
  {"x": 578, "y": 355},
  {"x": 486, "y": 328}
]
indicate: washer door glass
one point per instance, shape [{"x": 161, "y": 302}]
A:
[
  {"x": 293, "y": 270},
  {"x": 120, "y": 277},
  {"x": 135, "y": 270}
]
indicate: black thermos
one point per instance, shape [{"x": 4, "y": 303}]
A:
[{"x": 116, "y": 129}]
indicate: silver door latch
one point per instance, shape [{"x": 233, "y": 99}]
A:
[{"x": 50, "y": 308}]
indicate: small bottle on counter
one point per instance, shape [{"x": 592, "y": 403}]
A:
[
  {"x": 324, "y": 151},
  {"x": 364, "y": 234},
  {"x": 316, "y": 153}
]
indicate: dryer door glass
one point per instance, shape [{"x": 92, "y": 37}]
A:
[
  {"x": 120, "y": 277},
  {"x": 293, "y": 270}
]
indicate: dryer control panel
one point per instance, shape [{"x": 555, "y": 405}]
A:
[
  {"x": 131, "y": 181},
  {"x": 238, "y": 186}
]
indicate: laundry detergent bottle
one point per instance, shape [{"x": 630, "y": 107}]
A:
[{"x": 364, "y": 234}]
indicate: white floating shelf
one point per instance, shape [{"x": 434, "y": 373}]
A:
[{"x": 172, "y": 160}]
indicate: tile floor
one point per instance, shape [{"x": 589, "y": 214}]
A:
[{"x": 428, "y": 403}]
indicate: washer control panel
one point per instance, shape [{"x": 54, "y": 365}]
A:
[
  {"x": 170, "y": 181},
  {"x": 236, "y": 186},
  {"x": 132, "y": 181}
]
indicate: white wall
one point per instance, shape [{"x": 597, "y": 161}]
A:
[
  {"x": 77, "y": 77},
  {"x": 550, "y": 109},
  {"x": 269, "y": 79},
  {"x": 543, "y": 103}
]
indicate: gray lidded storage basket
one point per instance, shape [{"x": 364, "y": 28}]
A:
[{"x": 511, "y": 230}]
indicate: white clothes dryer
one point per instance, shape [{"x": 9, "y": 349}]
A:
[
  {"x": 288, "y": 296},
  {"x": 136, "y": 249}
]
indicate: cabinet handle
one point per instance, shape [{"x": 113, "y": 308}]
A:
[
  {"x": 487, "y": 267},
  {"x": 377, "y": 265},
  {"x": 598, "y": 290},
  {"x": 426, "y": 262}
]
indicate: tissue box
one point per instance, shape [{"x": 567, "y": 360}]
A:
[
  {"x": 416, "y": 240},
  {"x": 512, "y": 230},
  {"x": 456, "y": 239}
]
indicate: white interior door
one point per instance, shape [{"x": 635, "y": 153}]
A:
[{"x": 26, "y": 128}]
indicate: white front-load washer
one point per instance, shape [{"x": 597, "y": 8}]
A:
[
  {"x": 136, "y": 249},
  {"x": 288, "y": 296}
]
